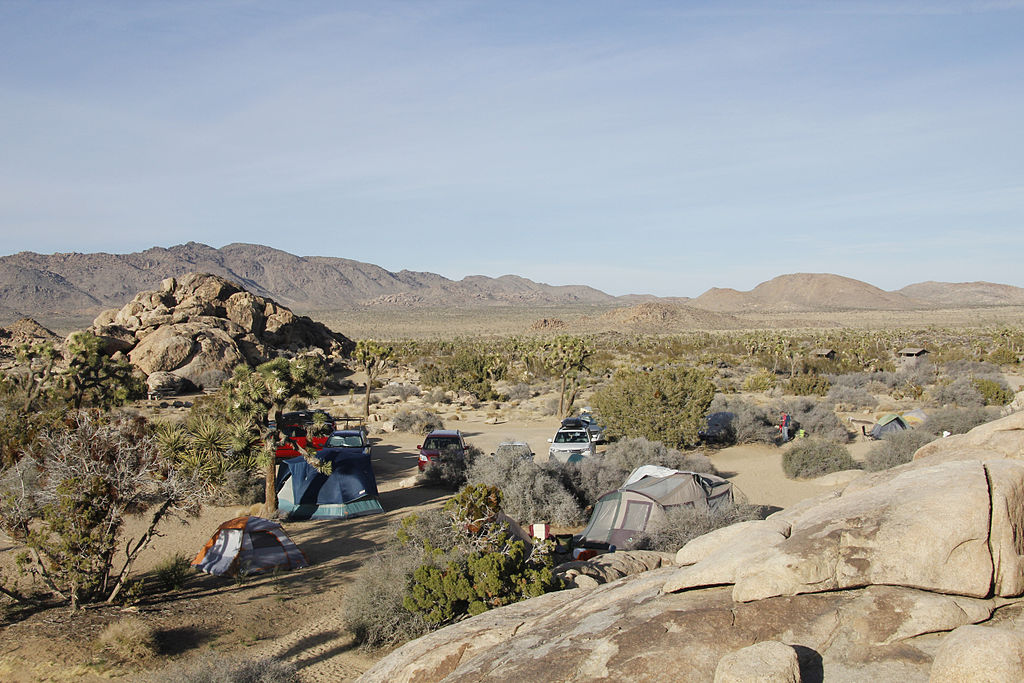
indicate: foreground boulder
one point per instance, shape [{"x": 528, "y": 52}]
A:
[
  {"x": 200, "y": 326},
  {"x": 864, "y": 583}
]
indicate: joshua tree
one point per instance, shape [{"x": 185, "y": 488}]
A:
[
  {"x": 373, "y": 357},
  {"x": 566, "y": 356},
  {"x": 262, "y": 395}
]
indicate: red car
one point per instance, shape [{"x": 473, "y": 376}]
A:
[
  {"x": 295, "y": 426},
  {"x": 437, "y": 442}
]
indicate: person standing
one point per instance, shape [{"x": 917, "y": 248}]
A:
[{"x": 784, "y": 427}]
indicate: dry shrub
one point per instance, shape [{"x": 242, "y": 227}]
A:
[
  {"x": 751, "y": 423},
  {"x": 449, "y": 469},
  {"x": 417, "y": 421},
  {"x": 896, "y": 448},
  {"x": 958, "y": 420},
  {"x": 814, "y": 416},
  {"x": 960, "y": 392},
  {"x": 815, "y": 457},
  {"x": 529, "y": 493},
  {"x": 591, "y": 478},
  {"x": 851, "y": 397},
  {"x": 216, "y": 668},
  {"x": 129, "y": 640},
  {"x": 682, "y": 524},
  {"x": 373, "y": 610},
  {"x": 403, "y": 391}
]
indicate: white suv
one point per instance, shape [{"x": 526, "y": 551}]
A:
[{"x": 571, "y": 445}]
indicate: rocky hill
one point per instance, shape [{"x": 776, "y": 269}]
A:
[
  {"x": 806, "y": 292},
  {"x": 31, "y": 283},
  {"x": 70, "y": 283}
]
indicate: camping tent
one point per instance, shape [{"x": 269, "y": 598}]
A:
[
  {"x": 620, "y": 516},
  {"x": 350, "y": 490},
  {"x": 888, "y": 424},
  {"x": 248, "y": 545}
]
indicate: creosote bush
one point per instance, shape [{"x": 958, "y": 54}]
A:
[
  {"x": 664, "y": 404},
  {"x": 993, "y": 392},
  {"x": 444, "y": 565},
  {"x": 807, "y": 385},
  {"x": 896, "y": 448},
  {"x": 814, "y": 457},
  {"x": 682, "y": 524}
]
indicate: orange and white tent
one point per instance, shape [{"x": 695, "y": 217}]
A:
[{"x": 248, "y": 545}]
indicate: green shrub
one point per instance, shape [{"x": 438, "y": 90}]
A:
[
  {"x": 666, "y": 405},
  {"x": 993, "y": 392},
  {"x": 682, "y": 524},
  {"x": 762, "y": 380},
  {"x": 488, "y": 569},
  {"x": 173, "y": 573},
  {"x": 812, "y": 457},
  {"x": 896, "y": 448},
  {"x": 807, "y": 385}
]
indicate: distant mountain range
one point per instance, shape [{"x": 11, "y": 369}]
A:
[{"x": 32, "y": 284}]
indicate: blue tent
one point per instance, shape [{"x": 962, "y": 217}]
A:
[{"x": 350, "y": 490}]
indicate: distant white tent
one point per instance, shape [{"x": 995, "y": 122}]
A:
[{"x": 248, "y": 545}]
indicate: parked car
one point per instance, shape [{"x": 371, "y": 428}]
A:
[
  {"x": 513, "y": 449},
  {"x": 348, "y": 438},
  {"x": 571, "y": 444},
  {"x": 440, "y": 441},
  {"x": 295, "y": 426},
  {"x": 585, "y": 420}
]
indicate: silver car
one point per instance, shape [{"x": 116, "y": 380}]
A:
[{"x": 571, "y": 445}]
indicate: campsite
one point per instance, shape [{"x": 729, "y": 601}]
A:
[{"x": 297, "y": 615}]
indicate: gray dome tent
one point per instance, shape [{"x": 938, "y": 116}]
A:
[
  {"x": 620, "y": 516},
  {"x": 888, "y": 424}
]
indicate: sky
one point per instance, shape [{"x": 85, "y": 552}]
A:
[{"x": 636, "y": 147}]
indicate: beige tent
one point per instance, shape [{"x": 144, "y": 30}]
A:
[
  {"x": 620, "y": 516},
  {"x": 248, "y": 545}
]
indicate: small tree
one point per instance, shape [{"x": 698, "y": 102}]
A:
[
  {"x": 373, "y": 358},
  {"x": 666, "y": 405},
  {"x": 261, "y": 395},
  {"x": 67, "y": 499}
]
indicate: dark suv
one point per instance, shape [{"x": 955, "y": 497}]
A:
[{"x": 440, "y": 441}]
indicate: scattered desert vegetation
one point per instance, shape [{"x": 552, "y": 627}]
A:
[{"x": 79, "y": 453}]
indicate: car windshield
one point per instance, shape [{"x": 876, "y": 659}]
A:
[
  {"x": 440, "y": 443},
  {"x": 345, "y": 441},
  {"x": 571, "y": 437}
]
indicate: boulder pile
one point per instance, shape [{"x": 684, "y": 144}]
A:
[
  {"x": 912, "y": 574},
  {"x": 200, "y": 326}
]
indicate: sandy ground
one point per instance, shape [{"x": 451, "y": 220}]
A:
[{"x": 298, "y": 615}]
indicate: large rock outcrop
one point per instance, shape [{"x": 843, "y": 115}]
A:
[
  {"x": 863, "y": 583},
  {"x": 200, "y": 326}
]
